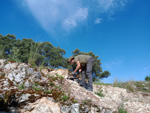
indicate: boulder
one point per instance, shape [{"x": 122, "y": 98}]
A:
[
  {"x": 43, "y": 105},
  {"x": 24, "y": 97},
  {"x": 60, "y": 72}
]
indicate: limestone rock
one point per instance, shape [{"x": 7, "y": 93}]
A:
[
  {"x": 65, "y": 109},
  {"x": 7, "y": 67},
  {"x": 137, "y": 107},
  {"x": 75, "y": 108},
  {"x": 61, "y": 72},
  {"x": 30, "y": 71},
  {"x": 27, "y": 83},
  {"x": 81, "y": 94},
  {"x": 6, "y": 83},
  {"x": 11, "y": 76},
  {"x": 16, "y": 80},
  {"x": 24, "y": 97},
  {"x": 43, "y": 105}
]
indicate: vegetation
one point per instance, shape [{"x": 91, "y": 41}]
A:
[
  {"x": 36, "y": 88},
  {"x": 133, "y": 86},
  {"x": 101, "y": 83},
  {"x": 147, "y": 78},
  {"x": 21, "y": 86},
  {"x": 2, "y": 75},
  {"x": 99, "y": 93},
  {"x": 87, "y": 101},
  {"x": 65, "y": 98},
  {"x": 75, "y": 101},
  {"x": 28, "y": 51},
  {"x": 121, "y": 109},
  {"x": 47, "y": 91},
  {"x": 43, "y": 54}
]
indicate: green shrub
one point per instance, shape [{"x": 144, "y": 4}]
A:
[
  {"x": 36, "y": 88},
  {"x": 61, "y": 77},
  {"x": 52, "y": 77},
  {"x": 121, "y": 109},
  {"x": 6, "y": 62},
  {"x": 130, "y": 86},
  {"x": 75, "y": 101},
  {"x": 36, "y": 84},
  {"x": 47, "y": 91},
  {"x": 2, "y": 75},
  {"x": 88, "y": 101},
  {"x": 118, "y": 84},
  {"x": 100, "y": 83},
  {"x": 147, "y": 78},
  {"x": 57, "y": 75},
  {"x": 50, "y": 83},
  {"x": 21, "y": 86},
  {"x": 99, "y": 93},
  {"x": 65, "y": 98}
]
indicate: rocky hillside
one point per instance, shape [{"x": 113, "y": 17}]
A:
[{"x": 24, "y": 89}]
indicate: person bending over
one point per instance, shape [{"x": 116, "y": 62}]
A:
[{"x": 84, "y": 64}]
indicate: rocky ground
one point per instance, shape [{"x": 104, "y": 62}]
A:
[{"x": 24, "y": 89}]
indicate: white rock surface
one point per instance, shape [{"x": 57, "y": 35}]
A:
[
  {"x": 44, "y": 105},
  {"x": 16, "y": 73},
  {"x": 24, "y": 97}
]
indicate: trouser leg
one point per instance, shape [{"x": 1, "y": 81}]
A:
[
  {"x": 83, "y": 75},
  {"x": 89, "y": 67}
]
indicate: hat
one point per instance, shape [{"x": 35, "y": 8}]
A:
[{"x": 70, "y": 58}]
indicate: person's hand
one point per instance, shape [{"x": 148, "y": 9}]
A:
[{"x": 73, "y": 73}]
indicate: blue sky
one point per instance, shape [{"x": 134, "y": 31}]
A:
[{"x": 118, "y": 31}]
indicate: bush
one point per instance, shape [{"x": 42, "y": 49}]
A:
[
  {"x": 75, "y": 101},
  {"x": 36, "y": 88},
  {"x": 99, "y": 93},
  {"x": 87, "y": 101},
  {"x": 21, "y": 86},
  {"x": 118, "y": 83},
  {"x": 65, "y": 98},
  {"x": 47, "y": 91},
  {"x": 130, "y": 86},
  {"x": 121, "y": 109},
  {"x": 147, "y": 78}
]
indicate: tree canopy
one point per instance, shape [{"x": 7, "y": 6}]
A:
[
  {"x": 147, "y": 78},
  {"x": 28, "y": 51}
]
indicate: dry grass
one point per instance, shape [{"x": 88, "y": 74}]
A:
[{"x": 133, "y": 86}]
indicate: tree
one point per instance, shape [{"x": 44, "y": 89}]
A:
[
  {"x": 50, "y": 56},
  {"x": 6, "y": 44},
  {"x": 14, "y": 54},
  {"x": 57, "y": 53},
  {"x": 147, "y": 78},
  {"x": 97, "y": 69},
  {"x": 24, "y": 49},
  {"x": 28, "y": 51},
  {"x": 1, "y": 51}
]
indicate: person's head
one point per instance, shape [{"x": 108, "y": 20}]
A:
[{"x": 71, "y": 60}]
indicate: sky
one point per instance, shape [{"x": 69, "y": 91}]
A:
[{"x": 118, "y": 31}]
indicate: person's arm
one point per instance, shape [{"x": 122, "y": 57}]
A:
[{"x": 78, "y": 66}]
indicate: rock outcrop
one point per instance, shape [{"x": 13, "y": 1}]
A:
[
  {"x": 42, "y": 105},
  {"x": 25, "y": 89},
  {"x": 136, "y": 102}
]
